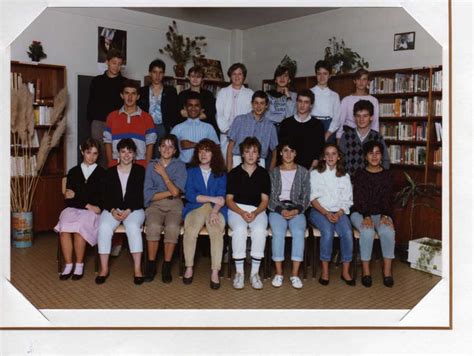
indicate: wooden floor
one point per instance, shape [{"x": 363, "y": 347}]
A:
[{"x": 34, "y": 273}]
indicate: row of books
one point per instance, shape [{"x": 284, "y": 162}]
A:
[
  {"x": 416, "y": 106},
  {"x": 437, "y": 109},
  {"x": 43, "y": 115},
  {"x": 437, "y": 81},
  {"x": 23, "y": 166},
  {"x": 34, "y": 87},
  {"x": 439, "y": 131},
  {"x": 438, "y": 157},
  {"x": 404, "y": 83},
  {"x": 407, "y": 155},
  {"x": 34, "y": 142},
  {"x": 415, "y": 131}
]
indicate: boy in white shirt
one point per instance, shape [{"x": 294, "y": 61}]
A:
[{"x": 327, "y": 104}]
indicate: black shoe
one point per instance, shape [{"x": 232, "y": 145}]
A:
[
  {"x": 138, "y": 280},
  {"x": 188, "y": 280},
  {"x": 367, "y": 281},
  {"x": 76, "y": 277},
  {"x": 323, "y": 282},
  {"x": 100, "y": 279},
  {"x": 215, "y": 285},
  {"x": 150, "y": 271},
  {"x": 388, "y": 281},
  {"x": 349, "y": 282},
  {"x": 166, "y": 272},
  {"x": 63, "y": 277}
]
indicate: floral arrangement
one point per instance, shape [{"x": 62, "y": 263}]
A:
[
  {"x": 181, "y": 49},
  {"x": 22, "y": 188},
  {"x": 36, "y": 51},
  {"x": 342, "y": 58}
]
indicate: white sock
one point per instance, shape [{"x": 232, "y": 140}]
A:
[
  {"x": 255, "y": 266},
  {"x": 79, "y": 268},
  {"x": 239, "y": 266},
  {"x": 67, "y": 268}
]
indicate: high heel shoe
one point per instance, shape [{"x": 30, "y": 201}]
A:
[
  {"x": 388, "y": 281},
  {"x": 138, "y": 280},
  {"x": 349, "y": 282},
  {"x": 323, "y": 282},
  {"x": 101, "y": 279},
  {"x": 76, "y": 277},
  {"x": 64, "y": 277}
]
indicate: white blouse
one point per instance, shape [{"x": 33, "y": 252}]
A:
[{"x": 333, "y": 193}]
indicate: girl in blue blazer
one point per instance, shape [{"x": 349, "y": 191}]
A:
[{"x": 205, "y": 205}]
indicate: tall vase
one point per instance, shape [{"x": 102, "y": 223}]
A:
[
  {"x": 179, "y": 70},
  {"x": 22, "y": 229}
]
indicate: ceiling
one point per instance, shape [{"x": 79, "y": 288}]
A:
[{"x": 241, "y": 18}]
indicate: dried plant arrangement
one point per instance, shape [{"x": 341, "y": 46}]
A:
[{"x": 23, "y": 157}]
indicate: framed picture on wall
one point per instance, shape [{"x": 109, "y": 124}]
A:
[
  {"x": 404, "y": 41},
  {"x": 212, "y": 68},
  {"x": 110, "y": 38}
]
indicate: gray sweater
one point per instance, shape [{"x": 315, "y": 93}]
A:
[{"x": 299, "y": 194}]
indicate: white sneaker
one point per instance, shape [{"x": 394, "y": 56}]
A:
[
  {"x": 239, "y": 281},
  {"x": 255, "y": 281},
  {"x": 296, "y": 282},
  {"x": 116, "y": 250},
  {"x": 277, "y": 280}
]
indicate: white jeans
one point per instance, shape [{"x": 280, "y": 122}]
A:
[
  {"x": 258, "y": 233},
  {"x": 133, "y": 228},
  {"x": 236, "y": 160}
]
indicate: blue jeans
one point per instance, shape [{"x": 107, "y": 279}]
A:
[
  {"x": 343, "y": 228},
  {"x": 279, "y": 225},
  {"x": 366, "y": 241}
]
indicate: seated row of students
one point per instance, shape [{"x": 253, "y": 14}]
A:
[{"x": 242, "y": 197}]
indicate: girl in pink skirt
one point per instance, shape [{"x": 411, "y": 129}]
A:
[{"x": 79, "y": 222}]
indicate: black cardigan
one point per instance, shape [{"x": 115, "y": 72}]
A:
[
  {"x": 85, "y": 192},
  {"x": 104, "y": 96},
  {"x": 169, "y": 105},
  {"x": 112, "y": 190}
]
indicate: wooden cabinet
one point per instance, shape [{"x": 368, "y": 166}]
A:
[{"x": 45, "y": 81}]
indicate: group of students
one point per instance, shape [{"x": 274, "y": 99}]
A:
[{"x": 214, "y": 152}]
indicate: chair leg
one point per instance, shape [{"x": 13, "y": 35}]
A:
[
  {"x": 230, "y": 260},
  {"x": 315, "y": 254},
  {"x": 59, "y": 256},
  {"x": 305, "y": 258},
  {"x": 354, "y": 258},
  {"x": 267, "y": 257},
  {"x": 181, "y": 254},
  {"x": 96, "y": 258}
]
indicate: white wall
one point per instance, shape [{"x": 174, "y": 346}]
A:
[
  {"x": 368, "y": 31},
  {"x": 69, "y": 37}
]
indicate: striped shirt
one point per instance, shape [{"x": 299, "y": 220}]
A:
[
  {"x": 138, "y": 126},
  {"x": 193, "y": 130}
]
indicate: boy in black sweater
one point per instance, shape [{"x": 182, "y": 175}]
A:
[
  {"x": 104, "y": 97},
  {"x": 305, "y": 130}
]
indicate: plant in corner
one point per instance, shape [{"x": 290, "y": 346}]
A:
[
  {"x": 27, "y": 162},
  {"x": 341, "y": 58},
  {"x": 181, "y": 49},
  {"x": 36, "y": 51}
]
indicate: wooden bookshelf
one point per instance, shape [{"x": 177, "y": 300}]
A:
[{"x": 47, "y": 80}]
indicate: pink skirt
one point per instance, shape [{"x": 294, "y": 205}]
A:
[{"x": 82, "y": 221}]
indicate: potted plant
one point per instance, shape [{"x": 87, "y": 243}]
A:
[
  {"x": 36, "y": 51},
  {"x": 181, "y": 49},
  {"x": 27, "y": 161},
  {"x": 342, "y": 58},
  {"x": 421, "y": 252}
]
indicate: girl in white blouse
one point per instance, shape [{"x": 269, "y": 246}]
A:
[{"x": 331, "y": 198}]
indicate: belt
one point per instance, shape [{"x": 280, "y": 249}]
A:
[{"x": 323, "y": 117}]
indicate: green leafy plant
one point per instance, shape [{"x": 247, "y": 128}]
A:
[
  {"x": 290, "y": 64},
  {"x": 416, "y": 194},
  {"x": 342, "y": 58},
  {"x": 36, "y": 52},
  {"x": 428, "y": 249},
  {"x": 180, "y": 48}
]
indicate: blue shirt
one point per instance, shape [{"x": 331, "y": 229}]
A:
[
  {"x": 246, "y": 125},
  {"x": 155, "y": 108},
  {"x": 193, "y": 130},
  {"x": 154, "y": 182}
]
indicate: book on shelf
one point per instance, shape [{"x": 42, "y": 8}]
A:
[
  {"x": 268, "y": 86},
  {"x": 437, "y": 81},
  {"x": 400, "y": 154},
  {"x": 437, "y": 108},
  {"x": 439, "y": 131},
  {"x": 416, "y": 106},
  {"x": 438, "y": 157},
  {"x": 42, "y": 115}
]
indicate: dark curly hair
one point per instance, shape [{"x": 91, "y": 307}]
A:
[
  {"x": 217, "y": 161},
  {"x": 321, "y": 167}
]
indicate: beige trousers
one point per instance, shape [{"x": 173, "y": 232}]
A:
[{"x": 193, "y": 223}]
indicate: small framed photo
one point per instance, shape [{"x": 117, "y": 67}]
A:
[
  {"x": 404, "y": 41},
  {"x": 212, "y": 68}
]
